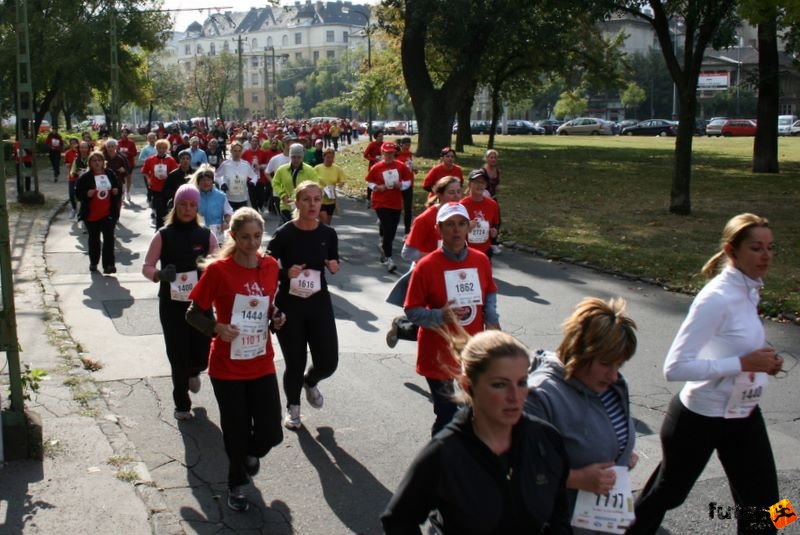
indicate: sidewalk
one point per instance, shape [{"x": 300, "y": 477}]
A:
[{"x": 74, "y": 490}]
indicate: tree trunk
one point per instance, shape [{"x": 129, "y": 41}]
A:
[
  {"x": 765, "y": 145},
  {"x": 464, "y": 134},
  {"x": 149, "y": 117},
  {"x": 680, "y": 201},
  {"x": 496, "y": 111}
]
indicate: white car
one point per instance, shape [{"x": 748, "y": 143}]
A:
[
  {"x": 585, "y": 125},
  {"x": 795, "y": 129}
]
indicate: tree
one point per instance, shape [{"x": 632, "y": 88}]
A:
[
  {"x": 705, "y": 22},
  {"x": 633, "y": 96},
  {"x": 650, "y": 72},
  {"x": 570, "y": 104},
  {"x": 293, "y": 107}
]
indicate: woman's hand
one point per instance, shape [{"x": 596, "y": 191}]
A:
[
  {"x": 91, "y": 193},
  {"x": 454, "y": 314},
  {"x": 597, "y": 478},
  {"x": 633, "y": 461},
  {"x": 278, "y": 319},
  {"x": 114, "y": 191},
  {"x": 333, "y": 266},
  {"x": 492, "y": 232},
  {"x": 295, "y": 270},
  {"x": 762, "y": 360},
  {"x": 226, "y": 332}
]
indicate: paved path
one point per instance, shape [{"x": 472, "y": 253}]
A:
[{"x": 337, "y": 473}]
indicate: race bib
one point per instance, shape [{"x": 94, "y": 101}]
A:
[
  {"x": 237, "y": 186},
  {"x": 182, "y": 286},
  {"x": 103, "y": 185},
  {"x": 306, "y": 284},
  {"x": 212, "y": 159},
  {"x": 329, "y": 192},
  {"x": 56, "y": 143},
  {"x": 479, "y": 234},
  {"x": 609, "y": 513},
  {"x": 463, "y": 287},
  {"x": 391, "y": 178},
  {"x": 746, "y": 394},
  {"x": 250, "y": 315},
  {"x": 124, "y": 150},
  {"x": 160, "y": 170},
  {"x": 410, "y": 165}
]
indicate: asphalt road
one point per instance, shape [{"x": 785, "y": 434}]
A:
[{"x": 337, "y": 473}]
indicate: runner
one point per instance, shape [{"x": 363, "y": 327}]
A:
[
  {"x": 177, "y": 246},
  {"x": 117, "y": 162},
  {"x": 483, "y": 213},
  {"x": 446, "y": 167},
  {"x": 55, "y": 144},
  {"x": 288, "y": 176},
  {"x": 70, "y": 156},
  {"x": 405, "y": 156},
  {"x": 493, "y": 470},
  {"x": 304, "y": 248},
  {"x": 233, "y": 176},
  {"x": 372, "y": 153},
  {"x": 330, "y": 176},
  {"x": 240, "y": 285},
  {"x": 452, "y": 289},
  {"x": 214, "y": 207},
  {"x": 100, "y": 194},
  {"x": 156, "y": 169},
  {"x": 128, "y": 149},
  {"x": 492, "y": 172},
  {"x": 387, "y": 179},
  {"x": 178, "y": 177}
]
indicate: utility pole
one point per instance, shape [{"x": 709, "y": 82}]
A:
[
  {"x": 114, "y": 116},
  {"x": 241, "y": 81},
  {"x": 266, "y": 85}
]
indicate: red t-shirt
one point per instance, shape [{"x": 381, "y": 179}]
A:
[
  {"x": 439, "y": 171},
  {"x": 485, "y": 210},
  {"x": 391, "y": 198},
  {"x": 373, "y": 152},
  {"x": 69, "y": 156},
  {"x": 156, "y": 181},
  {"x": 217, "y": 287},
  {"x": 100, "y": 203},
  {"x": 424, "y": 235},
  {"x": 255, "y": 157},
  {"x": 54, "y": 142},
  {"x": 427, "y": 289},
  {"x": 128, "y": 149}
]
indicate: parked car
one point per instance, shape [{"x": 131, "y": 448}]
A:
[
  {"x": 550, "y": 125},
  {"x": 519, "y": 127},
  {"x": 377, "y": 125},
  {"x": 714, "y": 127},
  {"x": 411, "y": 128},
  {"x": 739, "y": 127},
  {"x": 396, "y": 128},
  {"x": 625, "y": 123},
  {"x": 651, "y": 127},
  {"x": 477, "y": 127},
  {"x": 586, "y": 126},
  {"x": 796, "y": 128},
  {"x": 785, "y": 123}
]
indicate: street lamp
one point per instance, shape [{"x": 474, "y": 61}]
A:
[{"x": 367, "y": 30}]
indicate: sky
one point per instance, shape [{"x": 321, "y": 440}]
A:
[{"x": 200, "y": 9}]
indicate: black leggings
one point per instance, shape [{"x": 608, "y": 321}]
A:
[
  {"x": 187, "y": 349},
  {"x": 250, "y": 417},
  {"x": 106, "y": 228},
  {"x": 408, "y": 209},
  {"x": 309, "y": 324},
  {"x": 687, "y": 442},
  {"x": 389, "y": 219}
]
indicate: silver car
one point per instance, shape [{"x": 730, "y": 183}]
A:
[
  {"x": 588, "y": 126},
  {"x": 714, "y": 127}
]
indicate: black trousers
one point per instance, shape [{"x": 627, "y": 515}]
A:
[
  {"x": 250, "y": 417},
  {"x": 55, "y": 161},
  {"x": 187, "y": 349},
  {"x": 389, "y": 219},
  {"x": 442, "y": 392},
  {"x": 687, "y": 442},
  {"x": 160, "y": 206},
  {"x": 104, "y": 227},
  {"x": 310, "y": 324},
  {"x": 408, "y": 209}
]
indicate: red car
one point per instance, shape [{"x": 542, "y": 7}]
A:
[{"x": 739, "y": 127}]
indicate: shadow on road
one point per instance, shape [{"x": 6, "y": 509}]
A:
[
  {"x": 345, "y": 482},
  {"x": 512, "y": 290},
  {"x": 20, "y": 507},
  {"x": 345, "y": 310},
  {"x": 104, "y": 289}
]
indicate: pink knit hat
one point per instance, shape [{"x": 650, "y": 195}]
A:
[{"x": 187, "y": 192}]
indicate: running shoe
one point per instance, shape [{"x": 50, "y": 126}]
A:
[
  {"x": 251, "y": 465},
  {"x": 73, "y": 214},
  {"x": 496, "y": 249},
  {"x": 182, "y": 415},
  {"x": 391, "y": 336},
  {"x": 128, "y": 196},
  {"x": 292, "y": 419},
  {"x": 390, "y": 267},
  {"x": 380, "y": 251},
  {"x": 108, "y": 270},
  {"x": 314, "y": 396},
  {"x": 237, "y": 501},
  {"x": 194, "y": 384}
]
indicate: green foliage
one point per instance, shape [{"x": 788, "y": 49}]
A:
[
  {"x": 332, "y": 107},
  {"x": 293, "y": 107},
  {"x": 724, "y": 104},
  {"x": 570, "y": 104},
  {"x": 649, "y": 71},
  {"x": 633, "y": 95},
  {"x": 31, "y": 379}
]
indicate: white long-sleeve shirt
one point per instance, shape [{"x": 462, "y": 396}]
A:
[
  {"x": 721, "y": 326},
  {"x": 235, "y": 176}
]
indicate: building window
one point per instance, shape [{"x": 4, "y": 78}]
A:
[
  {"x": 199, "y": 48},
  {"x": 253, "y": 43},
  {"x": 298, "y": 38},
  {"x": 298, "y": 56},
  {"x": 345, "y": 37},
  {"x": 254, "y": 61},
  {"x": 254, "y": 79},
  {"x": 285, "y": 40},
  {"x": 330, "y": 54},
  {"x": 212, "y": 49},
  {"x": 316, "y": 56},
  {"x": 225, "y": 46},
  {"x": 329, "y": 38},
  {"x": 187, "y": 50},
  {"x": 254, "y": 98},
  {"x": 269, "y": 41}
]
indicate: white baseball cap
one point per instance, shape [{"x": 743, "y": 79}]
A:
[{"x": 448, "y": 210}]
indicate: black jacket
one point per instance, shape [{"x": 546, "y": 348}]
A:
[
  {"x": 86, "y": 182},
  {"x": 478, "y": 492}
]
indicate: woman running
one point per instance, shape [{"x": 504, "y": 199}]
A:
[
  {"x": 304, "y": 247},
  {"x": 240, "y": 285},
  {"x": 100, "y": 193}
]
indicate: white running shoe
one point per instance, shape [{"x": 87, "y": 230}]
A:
[
  {"x": 314, "y": 396},
  {"x": 194, "y": 384},
  {"x": 128, "y": 196},
  {"x": 496, "y": 249},
  {"x": 73, "y": 214},
  {"x": 390, "y": 267},
  {"x": 292, "y": 419}
]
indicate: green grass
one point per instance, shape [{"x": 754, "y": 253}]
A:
[{"x": 605, "y": 200}]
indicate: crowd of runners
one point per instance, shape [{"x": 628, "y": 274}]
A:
[{"x": 521, "y": 443}]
